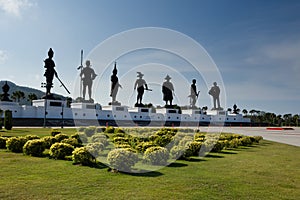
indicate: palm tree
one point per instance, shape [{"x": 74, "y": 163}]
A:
[
  {"x": 252, "y": 112},
  {"x": 32, "y": 97},
  {"x": 17, "y": 95},
  {"x": 245, "y": 112},
  {"x": 296, "y": 119}
]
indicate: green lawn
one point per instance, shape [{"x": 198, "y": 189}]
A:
[{"x": 266, "y": 171}]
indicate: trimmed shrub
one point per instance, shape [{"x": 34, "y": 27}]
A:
[
  {"x": 100, "y": 129},
  {"x": 119, "y": 130},
  {"x": 156, "y": 155},
  {"x": 180, "y": 152},
  {"x": 185, "y": 140},
  {"x": 246, "y": 141},
  {"x": 163, "y": 140},
  {"x": 89, "y": 131},
  {"x": 100, "y": 138},
  {"x": 61, "y": 150},
  {"x": 34, "y": 148},
  {"x": 81, "y": 129},
  {"x": 234, "y": 143},
  {"x": 32, "y": 137},
  {"x": 72, "y": 141},
  {"x": 95, "y": 148},
  {"x": 199, "y": 136},
  {"x": 257, "y": 139},
  {"x": 3, "y": 142},
  {"x": 143, "y": 146},
  {"x": 15, "y": 144},
  {"x": 123, "y": 146},
  {"x": 219, "y": 146},
  {"x": 55, "y": 132},
  {"x": 194, "y": 148},
  {"x": 61, "y": 136},
  {"x": 122, "y": 159},
  {"x": 82, "y": 156},
  {"x": 120, "y": 140},
  {"x": 81, "y": 137},
  {"x": 48, "y": 141},
  {"x": 109, "y": 129}
]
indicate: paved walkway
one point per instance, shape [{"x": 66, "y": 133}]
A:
[{"x": 291, "y": 137}]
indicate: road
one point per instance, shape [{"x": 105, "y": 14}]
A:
[{"x": 291, "y": 137}]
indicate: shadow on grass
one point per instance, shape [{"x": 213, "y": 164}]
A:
[
  {"x": 195, "y": 159},
  {"x": 144, "y": 173},
  {"x": 213, "y": 156},
  {"x": 176, "y": 164},
  {"x": 228, "y": 152}
]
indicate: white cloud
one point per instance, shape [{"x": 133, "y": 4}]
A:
[
  {"x": 3, "y": 56},
  {"x": 15, "y": 7}
]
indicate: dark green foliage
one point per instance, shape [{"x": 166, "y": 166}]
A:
[
  {"x": 163, "y": 140},
  {"x": 122, "y": 145},
  {"x": 119, "y": 130},
  {"x": 32, "y": 137},
  {"x": 109, "y": 129},
  {"x": 72, "y": 141},
  {"x": 55, "y": 132},
  {"x": 3, "y": 142},
  {"x": 120, "y": 140},
  {"x": 89, "y": 131},
  {"x": 100, "y": 129},
  {"x": 100, "y": 138},
  {"x": 48, "y": 141},
  {"x": 246, "y": 141},
  {"x": 143, "y": 146},
  {"x": 60, "y": 137},
  {"x": 180, "y": 152},
  {"x": 81, "y": 137},
  {"x": 61, "y": 150},
  {"x": 156, "y": 155},
  {"x": 82, "y": 156},
  {"x": 34, "y": 147},
  {"x": 122, "y": 159},
  {"x": 95, "y": 148},
  {"x": 15, "y": 144},
  {"x": 194, "y": 148},
  {"x": 8, "y": 120},
  {"x": 81, "y": 129}
]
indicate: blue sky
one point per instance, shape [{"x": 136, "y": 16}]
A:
[{"x": 254, "y": 44}]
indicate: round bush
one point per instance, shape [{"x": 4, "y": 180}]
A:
[
  {"x": 89, "y": 131},
  {"x": 109, "y": 129},
  {"x": 180, "y": 152},
  {"x": 15, "y": 144},
  {"x": 3, "y": 142},
  {"x": 156, "y": 155},
  {"x": 34, "y": 148},
  {"x": 48, "y": 141},
  {"x": 72, "y": 141},
  {"x": 246, "y": 141},
  {"x": 61, "y": 136},
  {"x": 32, "y": 137},
  {"x": 100, "y": 129},
  {"x": 122, "y": 159},
  {"x": 81, "y": 137},
  {"x": 82, "y": 155},
  {"x": 55, "y": 132},
  {"x": 61, "y": 150},
  {"x": 95, "y": 148},
  {"x": 143, "y": 146}
]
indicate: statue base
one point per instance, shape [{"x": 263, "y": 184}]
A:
[
  {"x": 48, "y": 96},
  {"x": 171, "y": 106},
  {"x": 139, "y": 105},
  {"x": 115, "y": 103},
  {"x": 220, "y": 108}
]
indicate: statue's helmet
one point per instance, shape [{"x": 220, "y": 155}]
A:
[
  {"x": 50, "y": 52},
  {"x": 215, "y": 83},
  {"x": 88, "y": 63}
]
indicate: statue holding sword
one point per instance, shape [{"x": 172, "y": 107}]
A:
[
  {"x": 139, "y": 84},
  {"x": 49, "y": 74}
]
